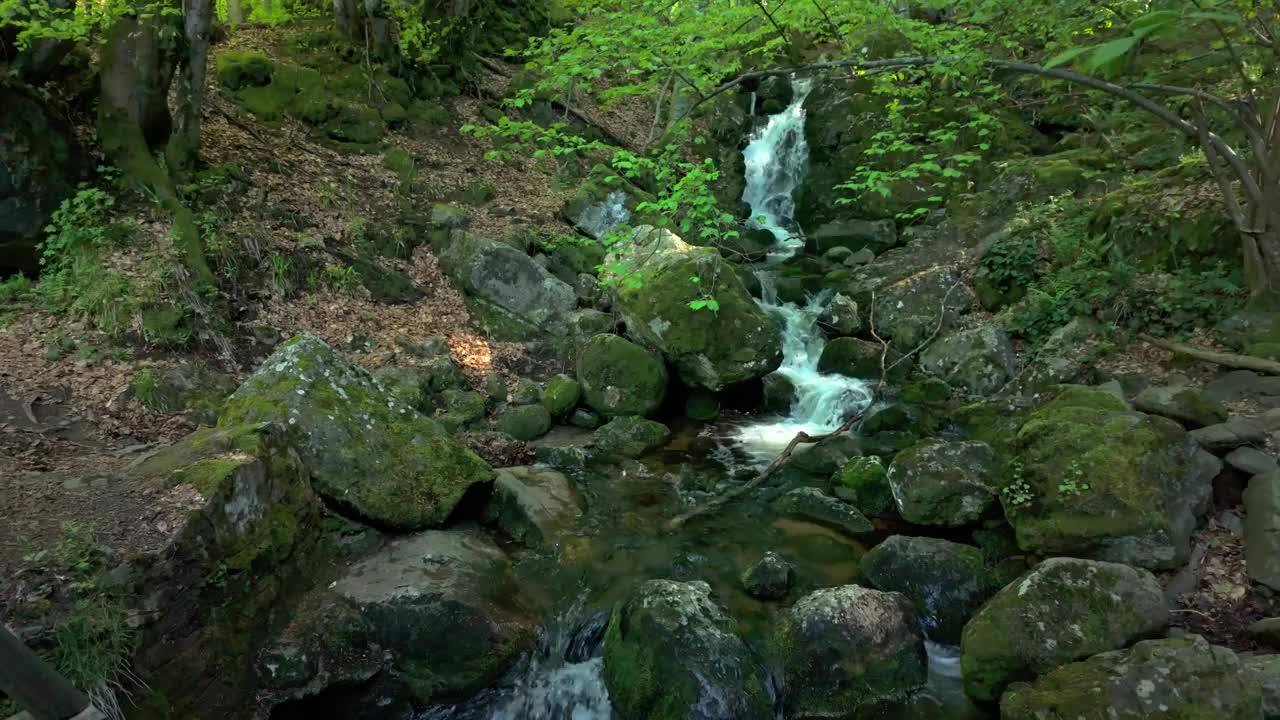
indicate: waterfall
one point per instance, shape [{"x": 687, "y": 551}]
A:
[{"x": 776, "y": 161}]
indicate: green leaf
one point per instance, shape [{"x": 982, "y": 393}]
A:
[
  {"x": 1110, "y": 52},
  {"x": 1222, "y": 17},
  {"x": 1067, "y": 56}
]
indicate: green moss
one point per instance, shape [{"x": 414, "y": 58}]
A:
[
  {"x": 620, "y": 377},
  {"x": 525, "y": 422},
  {"x": 631, "y": 672},
  {"x": 926, "y": 391},
  {"x": 237, "y": 69},
  {"x": 353, "y": 123},
  {"x": 209, "y": 476},
  {"x": 630, "y": 436},
  {"x": 561, "y": 395},
  {"x": 864, "y": 482}
]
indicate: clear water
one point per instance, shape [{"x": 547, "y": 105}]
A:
[{"x": 599, "y": 219}]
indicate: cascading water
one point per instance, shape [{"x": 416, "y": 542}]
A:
[{"x": 776, "y": 161}]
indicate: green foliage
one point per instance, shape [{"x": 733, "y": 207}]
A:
[
  {"x": 1018, "y": 491},
  {"x": 281, "y": 267},
  {"x": 146, "y": 387},
  {"x": 343, "y": 278},
  {"x": 15, "y": 289}
]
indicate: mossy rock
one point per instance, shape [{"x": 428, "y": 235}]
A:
[
  {"x": 351, "y": 123},
  {"x": 525, "y": 422},
  {"x": 857, "y": 358},
  {"x": 621, "y": 378},
  {"x": 630, "y": 436},
  {"x": 702, "y": 406},
  {"x": 1063, "y": 610},
  {"x": 561, "y": 395},
  {"x": 459, "y": 409},
  {"x": 238, "y": 69},
  {"x": 366, "y": 452},
  {"x": 946, "y": 582},
  {"x": 816, "y": 506},
  {"x": 864, "y": 483},
  {"x": 945, "y": 483}
]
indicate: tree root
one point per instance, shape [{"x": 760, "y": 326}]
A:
[{"x": 1231, "y": 360}]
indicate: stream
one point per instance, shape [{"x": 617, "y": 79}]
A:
[{"x": 623, "y": 540}]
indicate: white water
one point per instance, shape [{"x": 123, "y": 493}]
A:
[{"x": 776, "y": 161}]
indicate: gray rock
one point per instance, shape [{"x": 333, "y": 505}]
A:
[
  {"x": 865, "y": 256},
  {"x": 1262, "y": 529},
  {"x": 1063, "y": 610},
  {"x": 630, "y": 436},
  {"x": 1187, "y": 405},
  {"x": 1064, "y": 358},
  {"x": 533, "y": 505},
  {"x": 837, "y": 255},
  {"x": 768, "y": 579},
  {"x": 951, "y": 484},
  {"x": 846, "y": 648},
  {"x": 1234, "y": 433},
  {"x": 1266, "y": 669},
  {"x": 671, "y": 650},
  {"x": 1240, "y": 385},
  {"x": 979, "y": 360},
  {"x": 621, "y": 378},
  {"x": 945, "y": 581},
  {"x": 584, "y": 418},
  {"x": 526, "y": 392},
  {"x": 874, "y": 235},
  {"x": 815, "y": 505},
  {"x": 910, "y": 285},
  {"x": 842, "y": 315},
  {"x": 1266, "y": 630},
  {"x": 779, "y": 392},
  {"x": 1251, "y": 461},
  {"x": 1154, "y": 680},
  {"x": 502, "y": 275}
]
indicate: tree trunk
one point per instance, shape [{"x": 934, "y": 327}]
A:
[
  {"x": 235, "y": 13},
  {"x": 184, "y": 144},
  {"x": 36, "y": 687},
  {"x": 347, "y": 16},
  {"x": 379, "y": 32}
]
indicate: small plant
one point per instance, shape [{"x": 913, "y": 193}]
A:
[
  {"x": 343, "y": 278},
  {"x": 15, "y": 289},
  {"x": 92, "y": 647},
  {"x": 1018, "y": 491},
  {"x": 280, "y": 267},
  {"x": 58, "y": 346},
  {"x": 1073, "y": 483},
  {"x": 146, "y": 387}
]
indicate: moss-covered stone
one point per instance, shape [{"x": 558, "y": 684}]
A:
[
  {"x": 979, "y": 360},
  {"x": 365, "y": 451},
  {"x": 499, "y": 274},
  {"x": 238, "y": 69},
  {"x": 926, "y": 391},
  {"x": 1101, "y": 481},
  {"x": 864, "y": 482},
  {"x": 561, "y": 395},
  {"x": 621, "y": 378},
  {"x": 857, "y": 358},
  {"x": 946, "y": 582},
  {"x": 630, "y": 436},
  {"x": 710, "y": 349},
  {"x": 351, "y": 123},
  {"x": 603, "y": 201},
  {"x": 816, "y": 506},
  {"x": 1174, "y": 679},
  {"x": 669, "y": 648},
  {"x": 1063, "y": 610},
  {"x": 459, "y": 409},
  {"x": 944, "y": 483},
  {"x": 525, "y": 422}
]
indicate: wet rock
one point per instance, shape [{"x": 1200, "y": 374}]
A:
[
  {"x": 630, "y": 436},
  {"x": 1227, "y": 436},
  {"x": 672, "y": 653},
  {"x": 1251, "y": 461},
  {"x": 711, "y": 350},
  {"x": 365, "y": 451},
  {"x": 502, "y": 275},
  {"x": 621, "y": 378},
  {"x": 814, "y": 505},
  {"x": 1262, "y": 529},
  {"x": 1064, "y": 610},
  {"x": 945, "y": 581},
  {"x": 1185, "y": 404},
  {"x": 844, "y": 648},
  {"x": 842, "y": 315},
  {"x": 584, "y": 418},
  {"x": 979, "y": 360},
  {"x": 561, "y": 395},
  {"x": 1100, "y": 481},
  {"x": 768, "y": 579},
  {"x": 533, "y": 505},
  {"x": 824, "y": 458},
  {"x": 857, "y": 358},
  {"x": 944, "y": 483},
  {"x": 864, "y": 483},
  {"x": 525, "y": 422},
  {"x": 779, "y": 392},
  {"x": 1154, "y": 680},
  {"x": 874, "y": 235}
]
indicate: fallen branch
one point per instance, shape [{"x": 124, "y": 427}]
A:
[
  {"x": 801, "y": 438},
  {"x": 1231, "y": 360}
]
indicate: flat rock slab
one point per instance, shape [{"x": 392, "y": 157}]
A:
[
  {"x": 1227, "y": 436},
  {"x": 1251, "y": 461},
  {"x": 1244, "y": 385}
]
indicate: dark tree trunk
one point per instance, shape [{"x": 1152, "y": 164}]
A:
[
  {"x": 36, "y": 687},
  {"x": 39, "y": 62},
  {"x": 346, "y": 14},
  {"x": 184, "y": 145},
  {"x": 381, "y": 40}
]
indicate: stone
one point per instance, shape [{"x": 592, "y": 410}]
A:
[
  {"x": 858, "y": 358},
  {"x": 603, "y": 202},
  {"x": 1063, "y": 610},
  {"x": 845, "y": 648},
  {"x": 1098, "y": 480},
  {"x": 630, "y": 436},
  {"x": 874, "y": 235},
  {"x": 864, "y": 483},
  {"x": 672, "y": 653},
  {"x": 980, "y": 360},
  {"x": 711, "y": 350},
  {"x": 814, "y": 505},
  {"x": 823, "y": 458},
  {"x": 1186, "y": 405},
  {"x": 525, "y": 422},
  {"x": 702, "y": 406},
  {"x": 916, "y": 288},
  {"x": 525, "y": 392},
  {"x": 779, "y": 393},
  {"x": 621, "y": 378},
  {"x": 458, "y": 409},
  {"x": 1266, "y": 670},
  {"x": 495, "y": 388},
  {"x": 587, "y": 322},
  {"x": 503, "y": 276},
  {"x": 585, "y": 418},
  {"x": 950, "y": 484},
  {"x": 865, "y": 256},
  {"x": 837, "y": 255},
  {"x": 1154, "y": 680},
  {"x": 768, "y": 579},
  {"x": 1251, "y": 461},
  {"x": 1227, "y": 436},
  {"x": 842, "y": 316},
  {"x": 946, "y": 582},
  {"x": 1262, "y": 529},
  {"x": 1240, "y": 385},
  {"x": 193, "y": 388},
  {"x": 1065, "y": 357},
  {"x": 1266, "y": 630},
  {"x": 561, "y": 395},
  {"x": 365, "y": 451},
  {"x": 532, "y": 505},
  {"x": 40, "y": 165}
]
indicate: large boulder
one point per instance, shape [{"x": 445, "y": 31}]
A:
[
  {"x": 367, "y": 452},
  {"x": 1094, "y": 479},
  {"x": 917, "y": 289},
  {"x": 1066, "y": 357},
  {"x": 603, "y": 202},
  {"x": 709, "y": 349},
  {"x": 1175, "y": 679},
  {"x": 620, "y": 378},
  {"x": 502, "y": 276},
  {"x": 629, "y": 436},
  {"x": 1183, "y": 403},
  {"x": 437, "y": 611},
  {"x": 945, "y": 581},
  {"x": 1061, "y": 611},
  {"x": 979, "y": 360},
  {"x": 40, "y": 164},
  {"x": 1262, "y": 529},
  {"x": 533, "y": 505},
  {"x": 671, "y": 653},
  {"x": 845, "y": 648},
  {"x": 874, "y": 235},
  {"x": 947, "y": 483},
  {"x": 864, "y": 483},
  {"x": 814, "y": 505}
]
